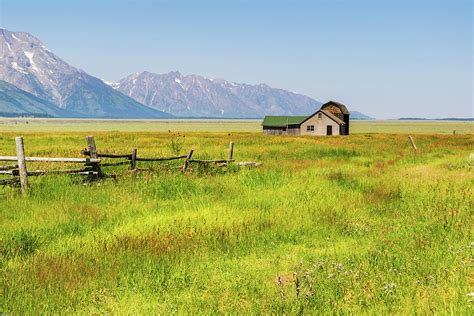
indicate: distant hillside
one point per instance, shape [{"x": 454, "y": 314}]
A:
[
  {"x": 17, "y": 102},
  {"x": 355, "y": 115},
  {"x": 467, "y": 119}
]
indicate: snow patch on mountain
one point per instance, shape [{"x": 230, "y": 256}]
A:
[
  {"x": 30, "y": 55},
  {"x": 13, "y": 35}
]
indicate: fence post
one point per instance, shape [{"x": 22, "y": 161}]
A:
[
  {"x": 186, "y": 162},
  {"x": 133, "y": 160},
  {"x": 454, "y": 132},
  {"x": 93, "y": 153},
  {"x": 231, "y": 150},
  {"x": 412, "y": 143},
  {"x": 91, "y": 146},
  {"x": 20, "y": 154}
]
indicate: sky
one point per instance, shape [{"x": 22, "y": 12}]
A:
[{"x": 385, "y": 58}]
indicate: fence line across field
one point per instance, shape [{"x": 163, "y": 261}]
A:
[
  {"x": 134, "y": 158},
  {"x": 93, "y": 165}
]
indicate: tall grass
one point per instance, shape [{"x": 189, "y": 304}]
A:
[{"x": 352, "y": 224}]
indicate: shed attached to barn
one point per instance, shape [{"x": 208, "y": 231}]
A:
[{"x": 331, "y": 119}]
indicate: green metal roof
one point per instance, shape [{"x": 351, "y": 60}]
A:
[{"x": 281, "y": 121}]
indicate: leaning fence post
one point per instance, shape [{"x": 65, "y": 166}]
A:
[
  {"x": 412, "y": 143},
  {"x": 231, "y": 150},
  {"x": 133, "y": 160},
  {"x": 93, "y": 153},
  {"x": 186, "y": 162},
  {"x": 20, "y": 154}
]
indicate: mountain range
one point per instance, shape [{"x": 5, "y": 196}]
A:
[
  {"x": 34, "y": 81},
  {"x": 196, "y": 96}
]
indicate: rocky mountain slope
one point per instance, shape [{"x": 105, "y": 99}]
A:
[
  {"x": 17, "y": 102},
  {"x": 26, "y": 63},
  {"x": 196, "y": 96}
]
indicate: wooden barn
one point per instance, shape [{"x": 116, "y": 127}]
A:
[{"x": 331, "y": 119}]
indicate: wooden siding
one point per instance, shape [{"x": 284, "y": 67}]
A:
[
  {"x": 290, "y": 130},
  {"x": 345, "y": 127},
  {"x": 273, "y": 130},
  {"x": 320, "y": 125},
  {"x": 293, "y": 130}
]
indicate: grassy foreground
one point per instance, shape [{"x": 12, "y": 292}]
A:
[{"x": 327, "y": 225}]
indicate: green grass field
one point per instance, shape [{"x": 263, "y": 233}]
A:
[{"x": 356, "y": 224}]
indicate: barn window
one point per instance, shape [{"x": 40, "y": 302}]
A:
[
  {"x": 320, "y": 115},
  {"x": 310, "y": 128}
]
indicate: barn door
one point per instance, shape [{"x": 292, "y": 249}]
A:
[{"x": 329, "y": 130}]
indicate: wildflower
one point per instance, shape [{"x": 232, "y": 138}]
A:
[{"x": 389, "y": 288}]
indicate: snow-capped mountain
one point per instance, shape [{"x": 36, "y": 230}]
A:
[
  {"x": 196, "y": 96},
  {"x": 26, "y": 63}
]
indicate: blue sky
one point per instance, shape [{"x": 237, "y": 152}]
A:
[{"x": 388, "y": 59}]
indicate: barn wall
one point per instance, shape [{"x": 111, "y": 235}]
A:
[
  {"x": 346, "y": 126},
  {"x": 293, "y": 130},
  {"x": 319, "y": 126},
  {"x": 273, "y": 130}
]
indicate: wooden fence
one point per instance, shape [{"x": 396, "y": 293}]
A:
[
  {"x": 92, "y": 164},
  {"x": 91, "y": 151}
]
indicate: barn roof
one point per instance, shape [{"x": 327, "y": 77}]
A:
[
  {"x": 282, "y": 121},
  {"x": 341, "y": 106}
]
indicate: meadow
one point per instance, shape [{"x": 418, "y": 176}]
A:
[
  {"x": 219, "y": 125},
  {"x": 355, "y": 224}
]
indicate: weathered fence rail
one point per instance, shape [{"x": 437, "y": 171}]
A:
[
  {"x": 8, "y": 167},
  {"x": 86, "y": 152},
  {"x": 48, "y": 159},
  {"x": 210, "y": 160},
  {"x": 93, "y": 164},
  {"x": 58, "y": 171},
  {"x": 161, "y": 158},
  {"x": 9, "y": 181}
]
